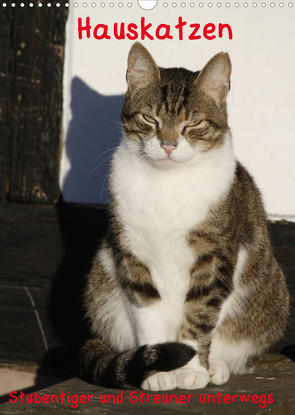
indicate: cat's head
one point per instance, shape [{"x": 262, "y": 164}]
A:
[{"x": 175, "y": 115}]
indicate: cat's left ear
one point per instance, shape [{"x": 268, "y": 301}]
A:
[
  {"x": 142, "y": 69},
  {"x": 214, "y": 79}
]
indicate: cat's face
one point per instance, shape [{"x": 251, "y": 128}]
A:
[{"x": 175, "y": 115}]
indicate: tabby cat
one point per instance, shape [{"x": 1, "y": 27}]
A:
[{"x": 184, "y": 289}]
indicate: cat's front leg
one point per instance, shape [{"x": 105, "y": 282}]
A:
[
  {"x": 195, "y": 374},
  {"x": 147, "y": 310},
  {"x": 153, "y": 327},
  {"x": 152, "y": 322},
  {"x": 211, "y": 283},
  {"x": 197, "y": 332}
]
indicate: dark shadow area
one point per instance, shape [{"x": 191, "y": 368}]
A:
[
  {"x": 58, "y": 243},
  {"x": 93, "y": 132},
  {"x": 283, "y": 241},
  {"x": 81, "y": 232}
]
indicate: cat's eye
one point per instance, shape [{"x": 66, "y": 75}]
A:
[
  {"x": 194, "y": 124},
  {"x": 149, "y": 119}
]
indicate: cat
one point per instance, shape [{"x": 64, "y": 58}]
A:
[{"x": 184, "y": 289}]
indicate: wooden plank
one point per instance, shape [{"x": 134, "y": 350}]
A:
[
  {"x": 6, "y": 21},
  {"x": 274, "y": 376},
  {"x": 37, "y": 240},
  {"x": 19, "y": 328},
  {"x": 37, "y": 39}
]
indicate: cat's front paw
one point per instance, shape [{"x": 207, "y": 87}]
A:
[
  {"x": 161, "y": 381},
  {"x": 192, "y": 379},
  {"x": 218, "y": 372}
]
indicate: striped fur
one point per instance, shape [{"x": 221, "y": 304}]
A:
[{"x": 129, "y": 369}]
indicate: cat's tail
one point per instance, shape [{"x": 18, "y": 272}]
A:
[{"x": 129, "y": 369}]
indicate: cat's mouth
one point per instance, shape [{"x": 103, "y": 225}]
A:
[
  {"x": 163, "y": 154},
  {"x": 165, "y": 161},
  {"x": 159, "y": 159}
]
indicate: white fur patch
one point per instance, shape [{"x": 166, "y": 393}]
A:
[
  {"x": 234, "y": 354},
  {"x": 233, "y": 304},
  {"x": 160, "y": 322},
  {"x": 182, "y": 153},
  {"x": 191, "y": 379},
  {"x": 115, "y": 310},
  {"x": 192, "y": 375},
  {"x": 106, "y": 259},
  {"x": 161, "y": 381},
  {"x": 218, "y": 372},
  {"x": 158, "y": 207}
]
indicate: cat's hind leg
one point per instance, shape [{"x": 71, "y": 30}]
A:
[
  {"x": 248, "y": 326},
  {"x": 229, "y": 357}
]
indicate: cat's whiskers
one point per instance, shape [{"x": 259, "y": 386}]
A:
[
  {"x": 102, "y": 187},
  {"x": 100, "y": 164},
  {"x": 143, "y": 157},
  {"x": 104, "y": 152},
  {"x": 115, "y": 128},
  {"x": 119, "y": 125},
  {"x": 114, "y": 121},
  {"x": 135, "y": 161}
]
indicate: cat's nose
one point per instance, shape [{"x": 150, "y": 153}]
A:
[{"x": 169, "y": 146}]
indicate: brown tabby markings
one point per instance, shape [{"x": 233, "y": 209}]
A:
[
  {"x": 232, "y": 224},
  {"x": 136, "y": 280},
  {"x": 237, "y": 221},
  {"x": 133, "y": 275},
  {"x": 175, "y": 99}
]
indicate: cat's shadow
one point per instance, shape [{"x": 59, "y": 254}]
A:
[{"x": 93, "y": 134}]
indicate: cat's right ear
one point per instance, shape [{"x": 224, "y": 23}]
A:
[
  {"x": 142, "y": 69},
  {"x": 214, "y": 79}
]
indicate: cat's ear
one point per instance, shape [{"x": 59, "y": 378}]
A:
[
  {"x": 142, "y": 69},
  {"x": 214, "y": 79}
]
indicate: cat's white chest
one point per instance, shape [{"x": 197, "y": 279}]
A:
[
  {"x": 157, "y": 209},
  {"x": 157, "y": 216},
  {"x": 157, "y": 231}
]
